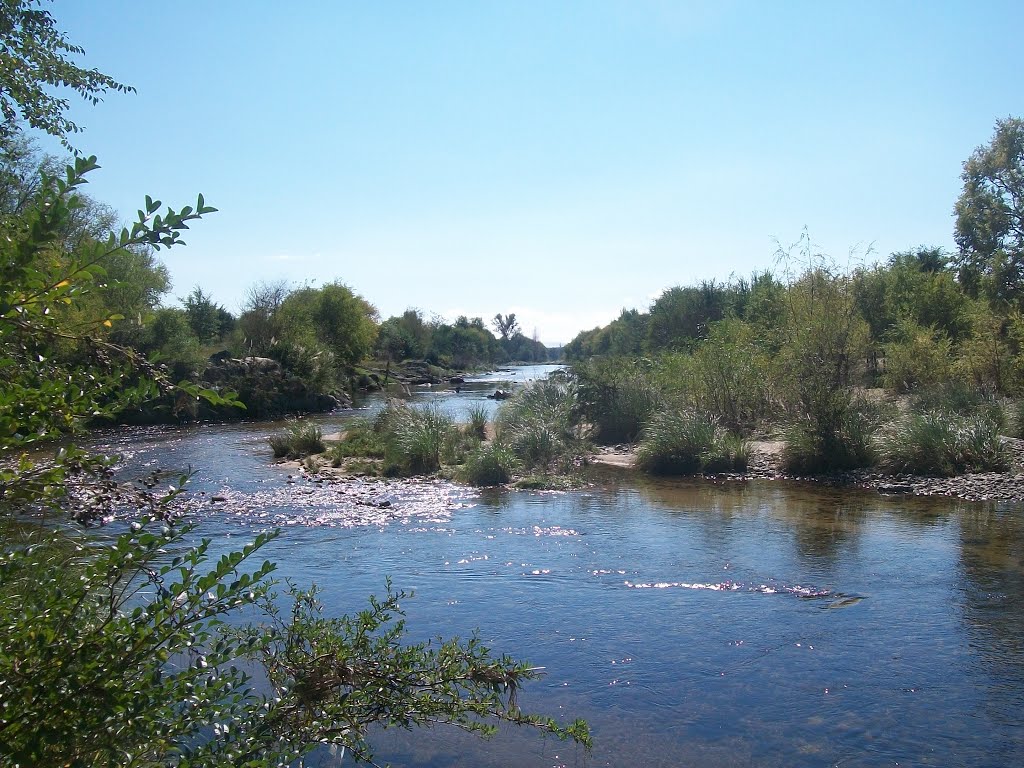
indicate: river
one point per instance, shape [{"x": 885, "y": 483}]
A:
[{"x": 692, "y": 623}]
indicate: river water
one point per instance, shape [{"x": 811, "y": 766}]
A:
[{"x": 691, "y": 623}]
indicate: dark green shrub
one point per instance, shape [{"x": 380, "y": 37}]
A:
[
  {"x": 944, "y": 444},
  {"x": 617, "y": 396},
  {"x": 488, "y": 465},
  {"x": 540, "y": 425},
  {"x": 686, "y": 442},
  {"x": 299, "y": 439},
  {"x": 839, "y": 439}
]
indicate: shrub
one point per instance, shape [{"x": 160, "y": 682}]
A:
[
  {"x": 617, "y": 396},
  {"x": 417, "y": 440},
  {"x": 729, "y": 376},
  {"x": 360, "y": 440},
  {"x": 841, "y": 441},
  {"x": 540, "y": 426},
  {"x": 685, "y": 442},
  {"x": 477, "y": 425},
  {"x": 916, "y": 357},
  {"x": 300, "y": 439},
  {"x": 488, "y": 465},
  {"x": 941, "y": 443}
]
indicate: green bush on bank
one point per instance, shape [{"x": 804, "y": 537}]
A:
[
  {"x": 840, "y": 438},
  {"x": 617, "y": 396},
  {"x": 299, "y": 439},
  {"x": 943, "y": 444},
  {"x": 686, "y": 442},
  {"x": 417, "y": 440},
  {"x": 540, "y": 425},
  {"x": 490, "y": 464}
]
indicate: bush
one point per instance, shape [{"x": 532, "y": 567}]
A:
[
  {"x": 916, "y": 357},
  {"x": 617, "y": 396},
  {"x": 360, "y": 440},
  {"x": 957, "y": 397},
  {"x": 686, "y": 442},
  {"x": 944, "y": 444},
  {"x": 417, "y": 440},
  {"x": 476, "y": 427},
  {"x": 540, "y": 426},
  {"x": 488, "y": 465},
  {"x": 300, "y": 439},
  {"x": 841, "y": 441}
]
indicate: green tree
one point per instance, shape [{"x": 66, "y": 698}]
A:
[
  {"x": 990, "y": 216},
  {"x": 507, "y": 326},
  {"x": 36, "y": 62}
]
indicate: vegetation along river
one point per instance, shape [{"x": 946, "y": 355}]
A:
[{"x": 692, "y": 623}]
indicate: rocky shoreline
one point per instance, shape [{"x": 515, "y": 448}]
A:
[{"x": 765, "y": 464}]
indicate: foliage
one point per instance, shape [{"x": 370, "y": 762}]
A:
[
  {"x": 476, "y": 425},
  {"x": 685, "y": 442},
  {"x": 990, "y": 216},
  {"x": 842, "y": 441},
  {"x": 507, "y": 326},
  {"x": 417, "y": 440},
  {"x": 259, "y": 324},
  {"x": 489, "y": 464},
  {"x": 681, "y": 315},
  {"x": 360, "y": 439},
  {"x": 207, "y": 319},
  {"x": 36, "y": 60},
  {"x": 299, "y": 439},
  {"x": 617, "y": 396},
  {"x": 333, "y": 318},
  {"x": 731, "y": 377},
  {"x": 540, "y": 425},
  {"x": 943, "y": 443},
  {"x": 916, "y": 357}
]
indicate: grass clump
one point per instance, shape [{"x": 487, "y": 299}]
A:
[
  {"x": 417, "y": 440},
  {"x": 840, "y": 438},
  {"x": 687, "y": 442},
  {"x": 488, "y": 465},
  {"x": 299, "y": 439},
  {"x": 476, "y": 425},
  {"x": 539, "y": 426},
  {"x": 617, "y": 397},
  {"x": 943, "y": 444},
  {"x": 360, "y": 440}
]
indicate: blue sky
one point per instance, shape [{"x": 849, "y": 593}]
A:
[{"x": 559, "y": 160}]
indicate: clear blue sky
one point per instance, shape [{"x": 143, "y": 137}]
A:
[{"x": 559, "y": 160}]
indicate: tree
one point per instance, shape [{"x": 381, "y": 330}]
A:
[
  {"x": 205, "y": 317},
  {"x": 506, "y": 326},
  {"x": 36, "y": 61},
  {"x": 119, "y": 653},
  {"x": 990, "y": 216}
]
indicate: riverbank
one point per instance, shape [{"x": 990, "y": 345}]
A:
[{"x": 766, "y": 464}]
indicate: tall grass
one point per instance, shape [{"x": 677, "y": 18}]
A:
[
  {"x": 839, "y": 437},
  {"x": 686, "y": 442},
  {"x": 299, "y": 439},
  {"x": 417, "y": 440},
  {"x": 488, "y": 465},
  {"x": 617, "y": 397},
  {"x": 540, "y": 425},
  {"x": 476, "y": 425},
  {"x": 943, "y": 444}
]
